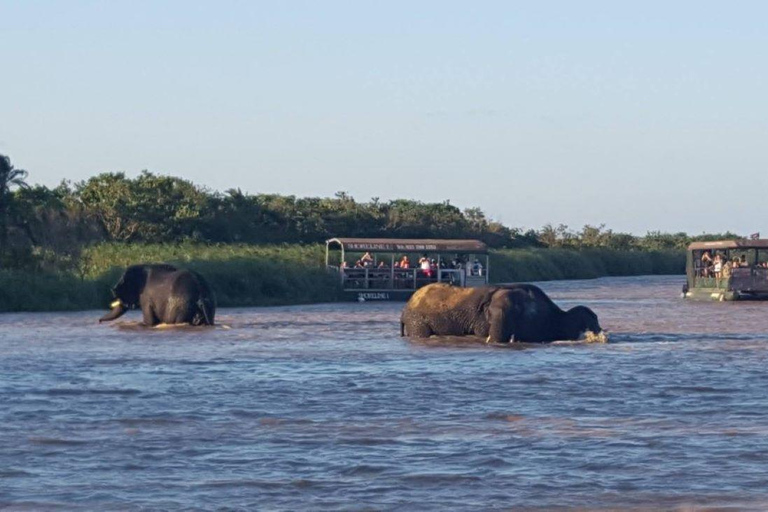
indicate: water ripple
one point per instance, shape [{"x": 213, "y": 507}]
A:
[{"x": 326, "y": 407}]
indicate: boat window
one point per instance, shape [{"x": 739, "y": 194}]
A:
[
  {"x": 762, "y": 258},
  {"x": 743, "y": 258}
]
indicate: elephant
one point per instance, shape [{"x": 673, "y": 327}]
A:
[
  {"x": 518, "y": 312},
  {"x": 165, "y": 294}
]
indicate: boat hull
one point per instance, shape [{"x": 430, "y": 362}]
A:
[
  {"x": 385, "y": 295},
  {"x": 723, "y": 295}
]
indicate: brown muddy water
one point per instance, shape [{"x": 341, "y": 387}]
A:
[{"x": 326, "y": 407}]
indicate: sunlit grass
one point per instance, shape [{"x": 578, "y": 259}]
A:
[{"x": 524, "y": 265}]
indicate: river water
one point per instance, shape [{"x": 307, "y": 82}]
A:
[{"x": 326, "y": 407}]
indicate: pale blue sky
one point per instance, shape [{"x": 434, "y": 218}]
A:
[{"x": 645, "y": 116}]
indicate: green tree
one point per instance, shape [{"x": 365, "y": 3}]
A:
[
  {"x": 150, "y": 208},
  {"x": 10, "y": 178}
]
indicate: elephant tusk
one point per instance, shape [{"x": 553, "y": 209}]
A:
[{"x": 116, "y": 303}]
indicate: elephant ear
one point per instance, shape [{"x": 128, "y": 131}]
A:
[{"x": 517, "y": 300}]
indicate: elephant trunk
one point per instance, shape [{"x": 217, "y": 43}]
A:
[{"x": 118, "y": 310}]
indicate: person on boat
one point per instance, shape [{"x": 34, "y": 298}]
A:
[
  {"x": 477, "y": 268},
  {"x": 467, "y": 267},
  {"x": 425, "y": 266},
  {"x": 404, "y": 263},
  {"x": 367, "y": 259},
  {"x": 718, "y": 266},
  {"x": 383, "y": 264},
  {"x": 706, "y": 264},
  {"x": 725, "y": 272},
  {"x": 433, "y": 268}
]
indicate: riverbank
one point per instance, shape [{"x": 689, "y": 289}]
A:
[{"x": 250, "y": 275}]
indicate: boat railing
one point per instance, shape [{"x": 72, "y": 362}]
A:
[
  {"x": 741, "y": 279},
  {"x": 374, "y": 278}
]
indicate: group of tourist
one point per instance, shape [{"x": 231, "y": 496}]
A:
[
  {"x": 428, "y": 266},
  {"x": 720, "y": 266},
  {"x": 426, "y": 269}
]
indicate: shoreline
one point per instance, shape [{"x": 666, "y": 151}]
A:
[{"x": 258, "y": 276}]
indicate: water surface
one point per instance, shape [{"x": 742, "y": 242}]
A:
[{"x": 326, "y": 407}]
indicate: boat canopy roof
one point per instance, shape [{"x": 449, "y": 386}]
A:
[
  {"x": 729, "y": 244},
  {"x": 410, "y": 245}
]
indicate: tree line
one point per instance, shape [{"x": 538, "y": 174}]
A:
[{"x": 47, "y": 226}]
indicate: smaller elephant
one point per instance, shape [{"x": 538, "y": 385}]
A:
[
  {"x": 519, "y": 312},
  {"x": 165, "y": 294}
]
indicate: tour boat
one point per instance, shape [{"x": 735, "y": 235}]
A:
[
  {"x": 369, "y": 268},
  {"x": 727, "y": 270}
]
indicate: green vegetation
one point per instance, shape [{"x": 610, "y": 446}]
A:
[
  {"x": 240, "y": 275},
  {"x": 549, "y": 264},
  {"x": 248, "y": 275},
  {"x": 63, "y": 248},
  {"x": 48, "y": 229}
]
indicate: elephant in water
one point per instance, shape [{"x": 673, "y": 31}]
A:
[
  {"x": 520, "y": 312},
  {"x": 165, "y": 294}
]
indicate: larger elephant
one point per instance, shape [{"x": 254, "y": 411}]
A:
[
  {"x": 165, "y": 294},
  {"x": 521, "y": 312}
]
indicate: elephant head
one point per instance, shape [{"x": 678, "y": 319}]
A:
[
  {"x": 128, "y": 290},
  {"x": 579, "y": 321}
]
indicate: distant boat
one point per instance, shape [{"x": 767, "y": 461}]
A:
[
  {"x": 727, "y": 270},
  {"x": 370, "y": 268}
]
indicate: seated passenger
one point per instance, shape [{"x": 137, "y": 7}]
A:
[
  {"x": 404, "y": 263},
  {"x": 383, "y": 264},
  {"x": 359, "y": 264},
  {"x": 367, "y": 259},
  {"x": 725, "y": 272}
]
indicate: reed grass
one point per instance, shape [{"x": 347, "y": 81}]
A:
[{"x": 523, "y": 265}]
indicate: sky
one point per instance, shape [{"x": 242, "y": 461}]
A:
[{"x": 642, "y": 116}]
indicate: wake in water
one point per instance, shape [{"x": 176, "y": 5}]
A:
[{"x": 139, "y": 326}]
